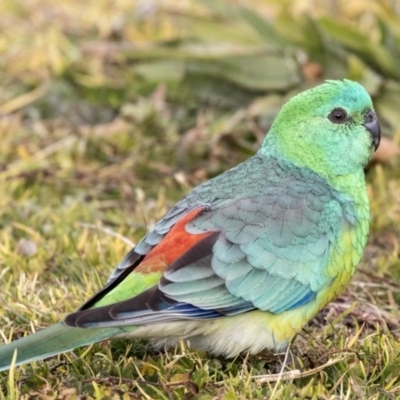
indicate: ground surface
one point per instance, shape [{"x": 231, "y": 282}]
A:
[{"x": 108, "y": 118}]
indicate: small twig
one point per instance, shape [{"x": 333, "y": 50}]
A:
[
  {"x": 114, "y": 379},
  {"x": 108, "y": 231},
  {"x": 295, "y": 374},
  {"x": 281, "y": 373}
]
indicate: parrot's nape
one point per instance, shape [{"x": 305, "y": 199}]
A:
[{"x": 246, "y": 259}]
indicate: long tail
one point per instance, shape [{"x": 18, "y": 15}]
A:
[{"x": 48, "y": 342}]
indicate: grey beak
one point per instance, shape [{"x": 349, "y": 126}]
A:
[{"x": 372, "y": 124}]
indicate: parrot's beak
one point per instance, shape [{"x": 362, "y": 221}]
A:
[{"x": 372, "y": 124}]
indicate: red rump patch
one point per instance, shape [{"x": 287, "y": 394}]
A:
[{"x": 176, "y": 242}]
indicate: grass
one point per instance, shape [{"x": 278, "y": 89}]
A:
[{"x": 92, "y": 155}]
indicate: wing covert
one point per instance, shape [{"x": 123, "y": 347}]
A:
[{"x": 265, "y": 247}]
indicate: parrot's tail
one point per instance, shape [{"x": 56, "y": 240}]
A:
[{"x": 48, "y": 342}]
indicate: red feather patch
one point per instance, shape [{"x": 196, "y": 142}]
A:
[{"x": 176, "y": 242}]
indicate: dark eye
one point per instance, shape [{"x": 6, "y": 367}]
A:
[{"x": 338, "y": 116}]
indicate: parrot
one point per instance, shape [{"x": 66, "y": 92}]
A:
[{"x": 245, "y": 260}]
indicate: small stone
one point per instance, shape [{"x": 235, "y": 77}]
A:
[{"x": 26, "y": 247}]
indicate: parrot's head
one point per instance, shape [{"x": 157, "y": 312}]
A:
[{"x": 331, "y": 129}]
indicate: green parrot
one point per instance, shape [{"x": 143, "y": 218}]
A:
[{"x": 247, "y": 258}]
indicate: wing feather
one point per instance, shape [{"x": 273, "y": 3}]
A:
[{"x": 265, "y": 246}]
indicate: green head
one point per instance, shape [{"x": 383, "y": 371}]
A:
[{"x": 331, "y": 129}]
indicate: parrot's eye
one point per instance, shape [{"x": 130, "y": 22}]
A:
[{"x": 338, "y": 116}]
